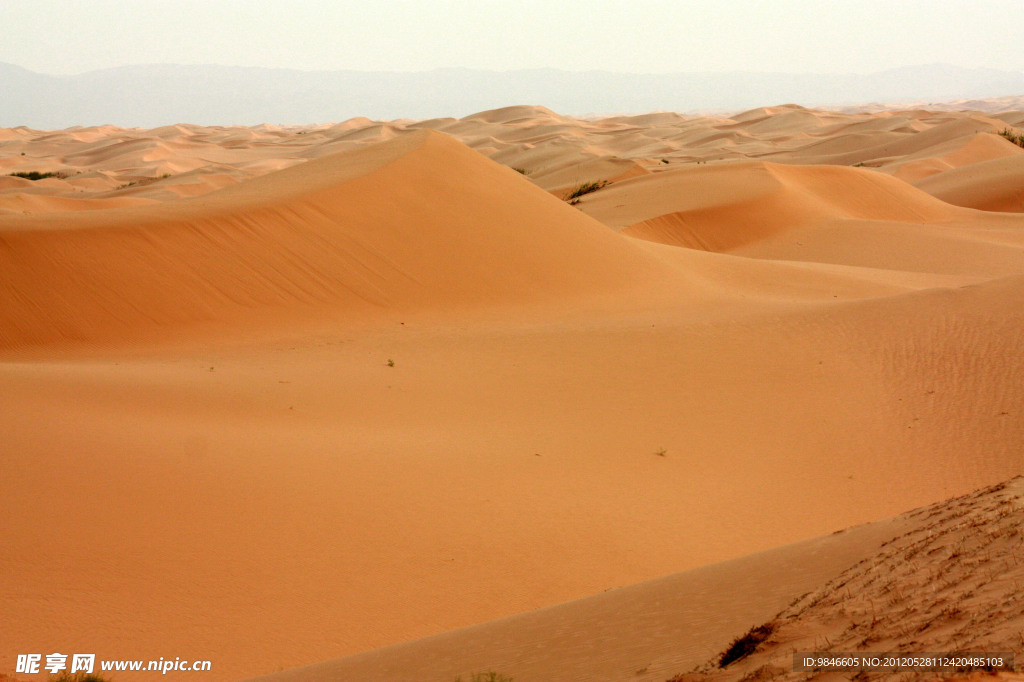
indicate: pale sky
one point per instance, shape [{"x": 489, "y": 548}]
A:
[{"x": 634, "y": 36}]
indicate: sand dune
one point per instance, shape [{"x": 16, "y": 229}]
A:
[
  {"x": 990, "y": 185},
  {"x": 340, "y": 231},
  {"x": 802, "y": 194},
  {"x": 334, "y": 388},
  {"x": 821, "y": 214},
  {"x": 967, "y": 600},
  {"x": 968, "y": 150},
  {"x": 563, "y": 178},
  {"x": 538, "y": 140}
]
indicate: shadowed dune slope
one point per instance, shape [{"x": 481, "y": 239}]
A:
[
  {"x": 820, "y": 214},
  {"x": 869, "y": 588},
  {"x": 945, "y": 156},
  {"x": 993, "y": 185},
  {"x": 761, "y": 198},
  {"x": 644, "y": 632},
  {"x": 419, "y": 221},
  {"x": 561, "y": 180}
]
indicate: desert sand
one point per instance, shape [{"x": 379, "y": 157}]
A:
[
  {"x": 279, "y": 396},
  {"x": 946, "y": 577}
]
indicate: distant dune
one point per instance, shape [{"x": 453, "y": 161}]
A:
[
  {"x": 563, "y": 398},
  {"x": 166, "y": 94}
]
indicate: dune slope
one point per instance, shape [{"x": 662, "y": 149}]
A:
[
  {"x": 645, "y": 632},
  {"x": 992, "y": 185},
  {"x": 416, "y": 222},
  {"x": 949, "y": 583},
  {"x": 868, "y": 588},
  {"x": 818, "y": 214}
]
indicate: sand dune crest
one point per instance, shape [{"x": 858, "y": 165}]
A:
[{"x": 393, "y": 225}]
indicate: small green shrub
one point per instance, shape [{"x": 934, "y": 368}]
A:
[
  {"x": 1013, "y": 137},
  {"x": 585, "y": 188},
  {"x": 742, "y": 647},
  {"x": 36, "y": 175}
]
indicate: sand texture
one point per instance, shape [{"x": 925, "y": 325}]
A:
[
  {"x": 952, "y": 581},
  {"x": 278, "y": 396},
  {"x": 943, "y": 578}
]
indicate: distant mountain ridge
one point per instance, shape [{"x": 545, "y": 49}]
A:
[{"x": 160, "y": 94}]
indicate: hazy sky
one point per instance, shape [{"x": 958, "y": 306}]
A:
[{"x": 643, "y": 36}]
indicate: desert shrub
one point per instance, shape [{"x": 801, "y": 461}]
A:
[
  {"x": 742, "y": 647},
  {"x": 586, "y": 188},
  {"x": 36, "y": 175},
  {"x": 1013, "y": 137},
  {"x": 143, "y": 181}
]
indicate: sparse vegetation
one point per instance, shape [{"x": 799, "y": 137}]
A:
[
  {"x": 490, "y": 676},
  {"x": 742, "y": 647},
  {"x": 144, "y": 181},
  {"x": 662, "y": 452},
  {"x": 1013, "y": 137},
  {"x": 521, "y": 171},
  {"x": 585, "y": 188},
  {"x": 36, "y": 175},
  {"x": 390, "y": 363}
]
